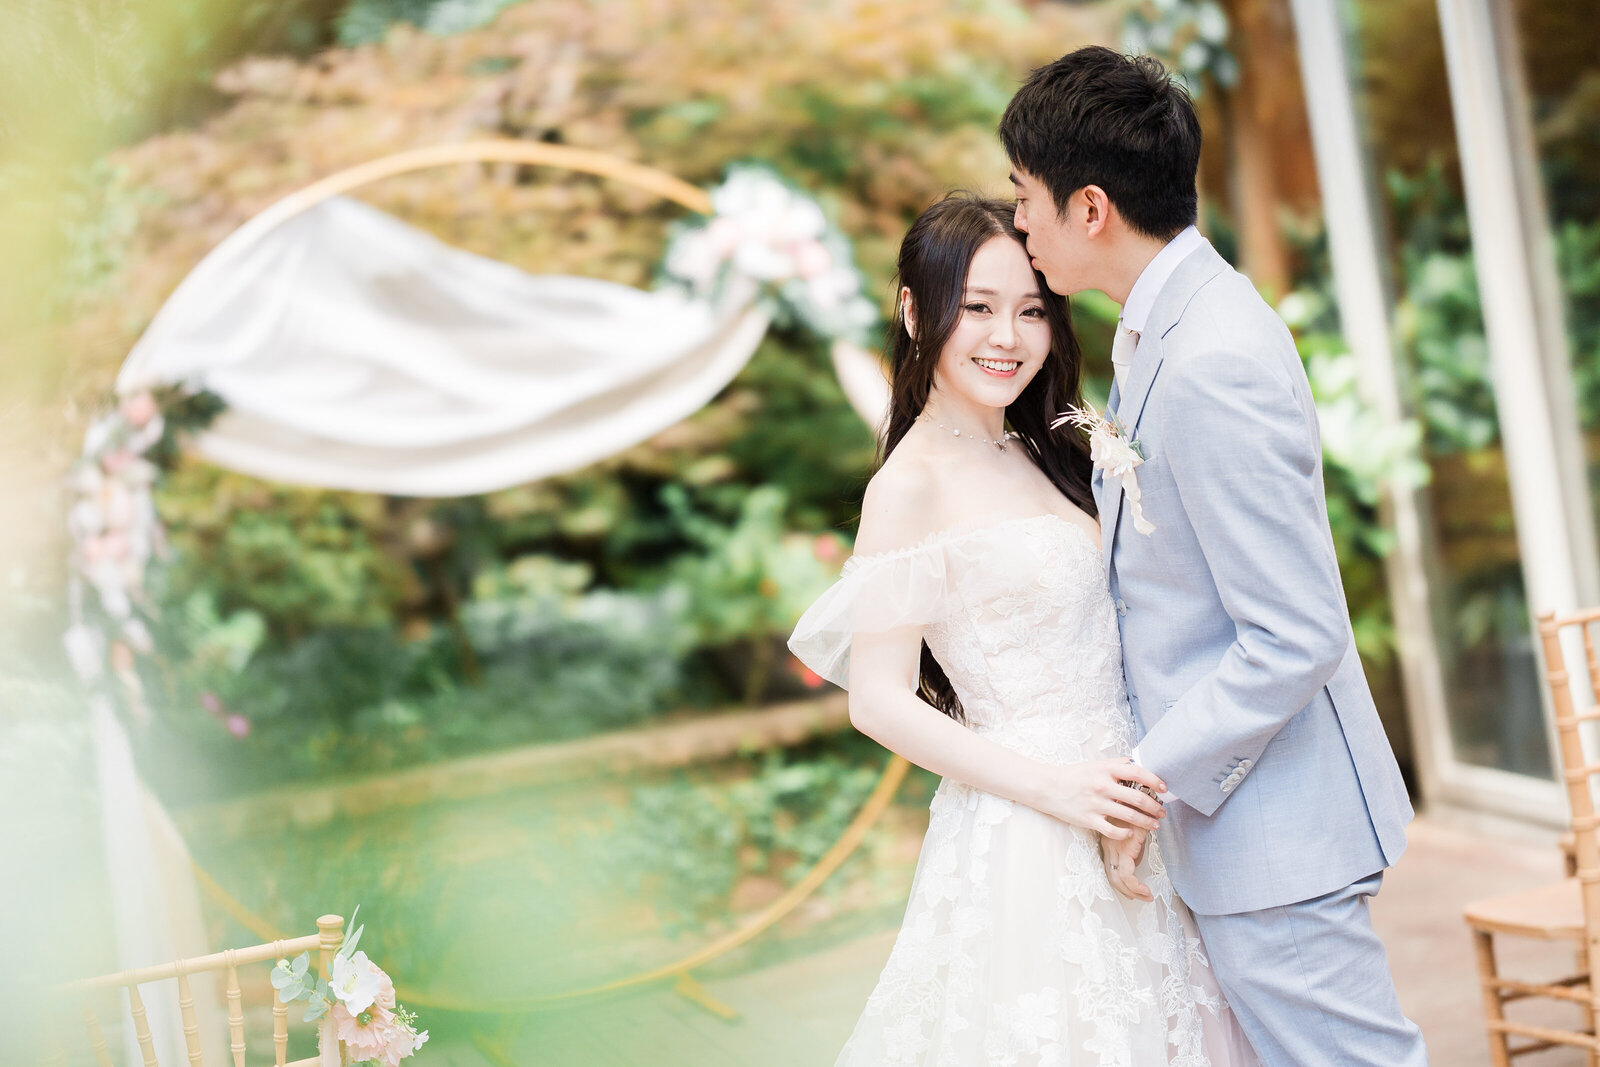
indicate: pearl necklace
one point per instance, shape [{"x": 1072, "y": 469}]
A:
[{"x": 1000, "y": 444}]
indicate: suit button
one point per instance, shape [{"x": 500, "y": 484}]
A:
[
  {"x": 1227, "y": 786},
  {"x": 1122, "y": 609},
  {"x": 1245, "y": 765}
]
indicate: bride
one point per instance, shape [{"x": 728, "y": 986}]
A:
[{"x": 976, "y": 636}]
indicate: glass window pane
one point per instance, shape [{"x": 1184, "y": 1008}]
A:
[
  {"x": 1481, "y": 617},
  {"x": 1559, "y": 48}
]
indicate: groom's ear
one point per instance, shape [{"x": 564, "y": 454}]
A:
[{"x": 1093, "y": 208}]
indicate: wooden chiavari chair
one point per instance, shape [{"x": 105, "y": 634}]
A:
[
  {"x": 1568, "y": 910},
  {"x": 324, "y": 944}
]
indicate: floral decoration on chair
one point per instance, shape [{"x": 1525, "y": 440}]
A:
[{"x": 358, "y": 1007}]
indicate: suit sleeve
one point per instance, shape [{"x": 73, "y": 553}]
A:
[{"x": 1244, "y": 457}]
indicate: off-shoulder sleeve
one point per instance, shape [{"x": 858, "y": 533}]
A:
[
  {"x": 953, "y": 571},
  {"x": 907, "y": 587}
]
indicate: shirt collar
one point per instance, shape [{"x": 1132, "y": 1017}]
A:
[{"x": 1142, "y": 297}]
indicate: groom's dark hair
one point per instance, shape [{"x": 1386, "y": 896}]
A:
[{"x": 1097, "y": 117}]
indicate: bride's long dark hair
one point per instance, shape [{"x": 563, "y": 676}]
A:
[{"x": 935, "y": 258}]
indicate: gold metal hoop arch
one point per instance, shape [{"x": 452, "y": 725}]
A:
[{"x": 585, "y": 161}]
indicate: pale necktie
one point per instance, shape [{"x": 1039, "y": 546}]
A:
[{"x": 1122, "y": 349}]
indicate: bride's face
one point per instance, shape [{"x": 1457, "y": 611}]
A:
[{"x": 1002, "y": 337}]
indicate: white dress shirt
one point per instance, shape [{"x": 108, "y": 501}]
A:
[{"x": 1142, "y": 297}]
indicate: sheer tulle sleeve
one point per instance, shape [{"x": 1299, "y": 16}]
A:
[
  {"x": 924, "y": 584},
  {"x": 877, "y": 593}
]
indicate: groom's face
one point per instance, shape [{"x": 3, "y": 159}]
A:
[{"x": 1052, "y": 245}]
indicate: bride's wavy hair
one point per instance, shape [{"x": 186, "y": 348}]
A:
[{"x": 935, "y": 258}]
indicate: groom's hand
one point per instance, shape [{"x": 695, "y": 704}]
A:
[
  {"x": 1101, "y": 795},
  {"x": 1122, "y": 862}
]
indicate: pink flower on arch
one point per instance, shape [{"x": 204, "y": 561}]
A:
[{"x": 139, "y": 409}]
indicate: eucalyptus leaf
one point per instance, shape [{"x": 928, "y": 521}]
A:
[{"x": 348, "y": 949}]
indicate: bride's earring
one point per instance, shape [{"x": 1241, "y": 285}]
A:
[{"x": 916, "y": 351}]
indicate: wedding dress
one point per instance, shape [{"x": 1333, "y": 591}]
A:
[{"x": 1015, "y": 950}]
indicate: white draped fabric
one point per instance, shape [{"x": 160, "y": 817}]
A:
[
  {"x": 354, "y": 351},
  {"x": 358, "y": 352}
]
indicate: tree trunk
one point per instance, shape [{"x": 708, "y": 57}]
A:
[{"x": 1269, "y": 139}]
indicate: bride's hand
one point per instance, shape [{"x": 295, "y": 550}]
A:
[
  {"x": 1092, "y": 794},
  {"x": 1122, "y": 861}
]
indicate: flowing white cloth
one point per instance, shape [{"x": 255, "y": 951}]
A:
[
  {"x": 1015, "y": 950},
  {"x": 356, "y": 351}
]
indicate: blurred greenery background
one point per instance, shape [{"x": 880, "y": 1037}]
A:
[{"x": 310, "y": 637}]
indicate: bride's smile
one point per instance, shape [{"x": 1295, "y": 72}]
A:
[{"x": 1000, "y": 368}]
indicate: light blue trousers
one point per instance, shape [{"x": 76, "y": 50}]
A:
[{"x": 1310, "y": 983}]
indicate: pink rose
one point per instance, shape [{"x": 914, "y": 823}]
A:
[
  {"x": 811, "y": 260},
  {"x": 118, "y": 461},
  {"x": 238, "y": 726},
  {"x": 118, "y": 506},
  {"x": 825, "y": 548},
  {"x": 808, "y": 677},
  {"x": 139, "y": 409},
  {"x": 367, "y": 1039},
  {"x": 385, "y": 988},
  {"x": 723, "y": 235},
  {"x": 114, "y": 547},
  {"x": 402, "y": 1043}
]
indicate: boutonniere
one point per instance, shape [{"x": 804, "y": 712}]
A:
[{"x": 1114, "y": 450}]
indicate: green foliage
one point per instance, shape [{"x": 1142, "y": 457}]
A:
[
  {"x": 534, "y": 650},
  {"x": 696, "y": 839},
  {"x": 1577, "y": 248},
  {"x": 548, "y": 661},
  {"x": 367, "y": 21},
  {"x": 302, "y": 560},
  {"x": 1438, "y": 320},
  {"x": 751, "y": 578},
  {"x": 1190, "y": 36},
  {"x": 75, "y": 225},
  {"x": 1359, "y": 454}
]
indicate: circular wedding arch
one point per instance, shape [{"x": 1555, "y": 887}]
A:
[{"x": 695, "y": 199}]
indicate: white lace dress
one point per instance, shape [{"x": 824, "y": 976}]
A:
[{"x": 1015, "y": 949}]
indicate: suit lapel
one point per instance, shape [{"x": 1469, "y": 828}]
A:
[{"x": 1199, "y": 267}]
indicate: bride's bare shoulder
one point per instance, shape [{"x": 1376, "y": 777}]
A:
[{"x": 902, "y": 503}]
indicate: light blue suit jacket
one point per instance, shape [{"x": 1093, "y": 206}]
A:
[{"x": 1240, "y": 661}]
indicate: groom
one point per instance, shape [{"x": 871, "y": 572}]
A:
[{"x": 1286, "y": 805}]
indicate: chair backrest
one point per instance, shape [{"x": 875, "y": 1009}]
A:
[
  {"x": 324, "y": 944},
  {"x": 1577, "y": 771}
]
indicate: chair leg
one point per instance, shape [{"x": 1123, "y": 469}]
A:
[{"x": 1493, "y": 1006}]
